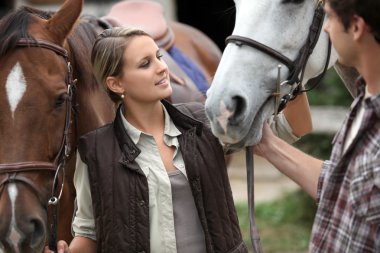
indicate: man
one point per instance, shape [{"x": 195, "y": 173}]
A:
[{"x": 347, "y": 187}]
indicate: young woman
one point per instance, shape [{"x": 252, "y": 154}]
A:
[{"x": 154, "y": 180}]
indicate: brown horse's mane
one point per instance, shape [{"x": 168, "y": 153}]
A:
[
  {"x": 80, "y": 43},
  {"x": 14, "y": 26}
]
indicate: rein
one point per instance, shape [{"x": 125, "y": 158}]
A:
[
  {"x": 14, "y": 170},
  {"x": 295, "y": 78}
]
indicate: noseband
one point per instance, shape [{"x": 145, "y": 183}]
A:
[
  {"x": 295, "y": 78},
  {"x": 296, "y": 67},
  {"x": 14, "y": 171}
]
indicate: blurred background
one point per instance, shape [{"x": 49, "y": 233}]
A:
[{"x": 284, "y": 213}]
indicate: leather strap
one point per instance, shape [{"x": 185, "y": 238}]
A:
[{"x": 254, "y": 233}]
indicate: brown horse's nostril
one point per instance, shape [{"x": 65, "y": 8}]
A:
[
  {"x": 34, "y": 235},
  {"x": 38, "y": 235}
]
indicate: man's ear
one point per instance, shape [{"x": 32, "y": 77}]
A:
[
  {"x": 114, "y": 85},
  {"x": 359, "y": 27}
]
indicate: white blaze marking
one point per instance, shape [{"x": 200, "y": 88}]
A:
[
  {"x": 15, "y": 86},
  {"x": 14, "y": 234}
]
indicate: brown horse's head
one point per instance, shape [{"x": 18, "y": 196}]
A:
[{"x": 34, "y": 105}]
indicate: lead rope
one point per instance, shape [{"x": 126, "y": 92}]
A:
[
  {"x": 249, "y": 160},
  {"x": 254, "y": 233}
]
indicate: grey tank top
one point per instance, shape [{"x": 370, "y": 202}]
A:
[{"x": 188, "y": 229}]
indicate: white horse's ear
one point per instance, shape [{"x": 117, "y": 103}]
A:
[{"x": 114, "y": 85}]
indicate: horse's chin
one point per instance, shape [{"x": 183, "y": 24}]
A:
[
  {"x": 255, "y": 132},
  {"x": 246, "y": 133}
]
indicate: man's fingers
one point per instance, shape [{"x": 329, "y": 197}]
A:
[
  {"x": 47, "y": 250},
  {"x": 62, "y": 247}
]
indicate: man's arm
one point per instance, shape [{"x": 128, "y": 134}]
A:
[{"x": 295, "y": 164}]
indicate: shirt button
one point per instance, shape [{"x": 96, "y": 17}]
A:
[{"x": 142, "y": 202}]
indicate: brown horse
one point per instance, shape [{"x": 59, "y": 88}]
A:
[{"x": 42, "y": 113}]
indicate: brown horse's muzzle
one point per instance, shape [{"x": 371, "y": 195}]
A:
[{"x": 23, "y": 204}]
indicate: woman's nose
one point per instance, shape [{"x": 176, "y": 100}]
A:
[{"x": 163, "y": 67}]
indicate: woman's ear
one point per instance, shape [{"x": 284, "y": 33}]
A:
[{"x": 114, "y": 85}]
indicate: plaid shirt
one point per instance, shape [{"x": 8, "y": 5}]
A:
[{"x": 348, "y": 216}]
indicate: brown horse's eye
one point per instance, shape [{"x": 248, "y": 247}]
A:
[{"x": 60, "y": 100}]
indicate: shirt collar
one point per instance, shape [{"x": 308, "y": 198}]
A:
[
  {"x": 170, "y": 129},
  {"x": 371, "y": 100}
]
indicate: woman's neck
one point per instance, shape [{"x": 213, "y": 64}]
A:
[{"x": 148, "y": 118}]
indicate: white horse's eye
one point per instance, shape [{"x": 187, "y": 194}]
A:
[{"x": 292, "y": 1}]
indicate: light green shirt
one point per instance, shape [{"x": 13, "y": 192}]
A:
[{"x": 161, "y": 219}]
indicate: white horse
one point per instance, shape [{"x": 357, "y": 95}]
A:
[{"x": 241, "y": 96}]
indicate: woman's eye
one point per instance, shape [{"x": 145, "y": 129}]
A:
[
  {"x": 159, "y": 56},
  {"x": 145, "y": 64}
]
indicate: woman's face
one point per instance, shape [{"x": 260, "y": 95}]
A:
[{"x": 145, "y": 76}]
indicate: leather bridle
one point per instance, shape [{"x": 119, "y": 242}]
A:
[
  {"x": 14, "y": 171},
  {"x": 295, "y": 78},
  {"x": 296, "y": 67}
]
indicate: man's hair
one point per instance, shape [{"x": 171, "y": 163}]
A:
[{"x": 369, "y": 10}]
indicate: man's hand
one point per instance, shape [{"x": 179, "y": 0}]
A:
[{"x": 267, "y": 137}]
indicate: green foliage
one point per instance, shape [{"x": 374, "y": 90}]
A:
[
  {"x": 331, "y": 91},
  {"x": 317, "y": 145},
  {"x": 284, "y": 225}
]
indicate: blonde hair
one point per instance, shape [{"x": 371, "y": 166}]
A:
[{"x": 107, "y": 54}]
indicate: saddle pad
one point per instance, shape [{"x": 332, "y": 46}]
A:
[{"x": 190, "y": 68}]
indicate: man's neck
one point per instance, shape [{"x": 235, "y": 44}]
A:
[{"x": 368, "y": 67}]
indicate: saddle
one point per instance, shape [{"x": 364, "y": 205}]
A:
[{"x": 149, "y": 16}]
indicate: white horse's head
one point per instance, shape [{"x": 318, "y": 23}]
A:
[{"x": 240, "y": 98}]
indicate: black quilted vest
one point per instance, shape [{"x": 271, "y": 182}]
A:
[{"x": 119, "y": 188}]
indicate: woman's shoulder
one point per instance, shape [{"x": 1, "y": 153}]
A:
[
  {"x": 96, "y": 133},
  {"x": 195, "y": 110}
]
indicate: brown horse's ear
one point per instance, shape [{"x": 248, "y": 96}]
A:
[{"x": 61, "y": 23}]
